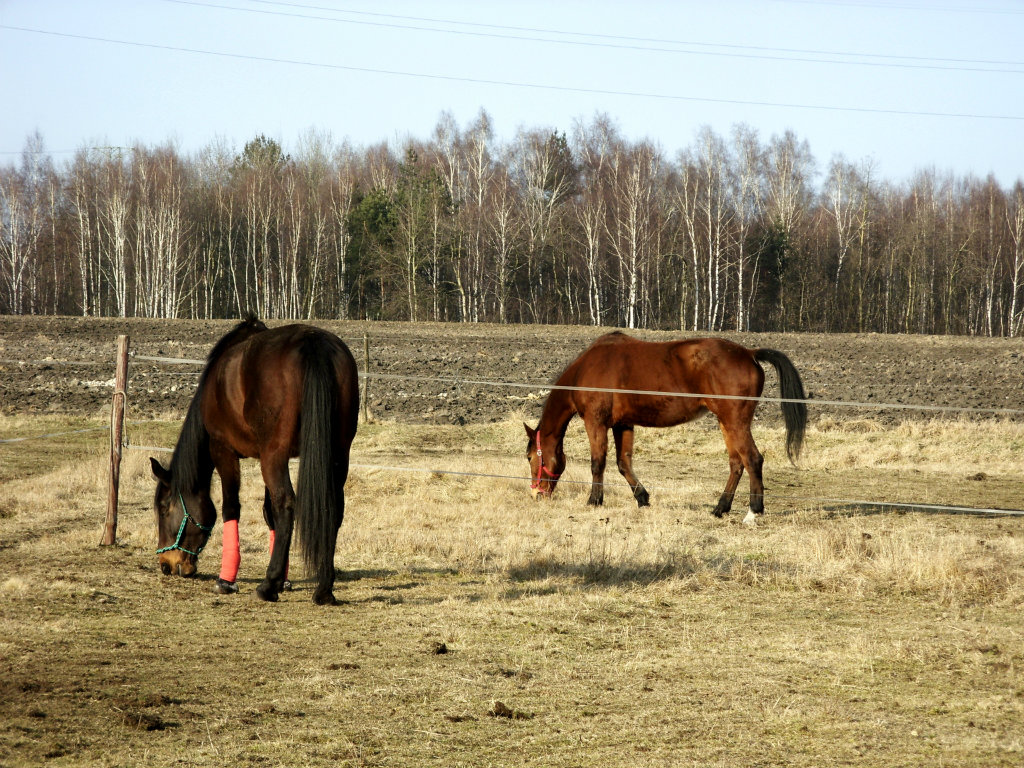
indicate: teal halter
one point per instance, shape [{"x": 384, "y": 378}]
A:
[{"x": 207, "y": 529}]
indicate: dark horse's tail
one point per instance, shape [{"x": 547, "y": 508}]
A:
[
  {"x": 794, "y": 414},
  {"x": 323, "y": 463}
]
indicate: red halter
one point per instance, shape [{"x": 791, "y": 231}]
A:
[{"x": 541, "y": 469}]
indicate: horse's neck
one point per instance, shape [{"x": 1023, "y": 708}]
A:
[
  {"x": 558, "y": 412},
  {"x": 191, "y": 463}
]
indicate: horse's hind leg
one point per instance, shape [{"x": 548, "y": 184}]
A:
[
  {"x": 268, "y": 516},
  {"x": 624, "y": 457},
  {"x": 743, "y": 454},
  {"x": 735, "y": 472},
  {"x": 753, "y": 461},
  {"x": 324, "y": 593},
  {"x": 733, "y": 444},
  {"x": 282, "y": 509}
]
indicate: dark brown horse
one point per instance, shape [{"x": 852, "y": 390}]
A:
[
  {"x": 267, "y": 394},
  {"x": 715, "y": 374}
]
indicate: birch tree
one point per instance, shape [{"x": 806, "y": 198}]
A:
[
  {"x": 712, "y": 165},
  {"x": 747, "y": 204},
  {"x": 341, "y": 192},
  {"x": 161, "y": 232},
  {"x": 113, "y": 211},
  {"x": 595, "y": 145},
  {"x": 539, "y": 168},
  {"x": 789, "y": 168},
  {"x": 505, "y": 228},
  {"x": 843, "y": 202},
  {"x": 632, "y": 235},
  {"x": 22, "y": 197},
  {"x": 1015, "y": 227},
  {"x": 217, "y": 253}
]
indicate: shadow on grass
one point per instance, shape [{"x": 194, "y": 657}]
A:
[
  {"x": 750, "y": 568},
  {"x": 394, "y": 593}
]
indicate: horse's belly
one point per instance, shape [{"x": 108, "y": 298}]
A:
[{"x": 659, "y": 411}]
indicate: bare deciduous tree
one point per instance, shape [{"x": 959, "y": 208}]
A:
[{"x": 731, "y": 234}]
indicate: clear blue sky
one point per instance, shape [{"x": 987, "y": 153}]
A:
[{"x": 878, "y": 79}]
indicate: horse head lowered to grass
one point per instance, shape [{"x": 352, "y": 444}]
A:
[
  {"x": 661, "y": 385},
  {"x": 270, "y": 394}
]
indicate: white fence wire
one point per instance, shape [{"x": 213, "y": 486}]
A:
[{"x": 543, "y": 388}]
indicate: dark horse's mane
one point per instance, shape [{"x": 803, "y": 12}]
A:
[{"x": 190, "y": 463}]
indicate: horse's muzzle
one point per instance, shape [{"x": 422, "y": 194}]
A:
[{"x": 177, "y": 562}]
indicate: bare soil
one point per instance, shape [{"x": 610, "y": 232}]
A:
[
  {"x": 66, "y": 365},
  {"x": 479, "y": 628}
]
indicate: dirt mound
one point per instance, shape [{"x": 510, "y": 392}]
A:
[{"x": 455, "y": 373}]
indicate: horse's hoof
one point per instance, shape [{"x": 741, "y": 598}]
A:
[
  {"x": 328, "y": 599},
  {"x": 595, "y": 502},
  {"x": 267, "y": 593},
  {"x": 223, "y": 587},
  {"x": 750, "y": 519},
  {"x": 643, "y": 499}
]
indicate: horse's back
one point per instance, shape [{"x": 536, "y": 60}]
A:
[
  {"x": 719, "y": 366},
  {"x": 257, "y": 392},
  {"x": 629, "y": 362},
  {"x": 688, "y": 366},
  {"x": 280, "y": 359}
]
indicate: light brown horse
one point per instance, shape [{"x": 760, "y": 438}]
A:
[{"x": 716, "y": 375}]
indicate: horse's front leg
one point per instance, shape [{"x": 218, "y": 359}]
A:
[
  {"x": 624, "y": 458},
  {"x": 598, "y": 435},
  {"x": 226, "y": 462},
  {"x": 282, "y": 502}
]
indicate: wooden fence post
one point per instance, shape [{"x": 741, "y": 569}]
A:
[{"x": 116, "y": 437}]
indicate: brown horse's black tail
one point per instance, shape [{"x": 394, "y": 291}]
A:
[
  {"x": 794, "y": 413},
  {"x": 323, "y": 464}
]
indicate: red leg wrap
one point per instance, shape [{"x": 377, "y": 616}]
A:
[{"x": 230, "y": 554}]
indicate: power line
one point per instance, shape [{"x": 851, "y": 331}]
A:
[
  {"x": 665, "y": 41},
  {"x": 928, "y": 7},
  {"x": 512, "y": 84},
  {"x": 630, "y": 43}
]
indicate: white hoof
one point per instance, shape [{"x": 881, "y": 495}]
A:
[{"x": 750, "y": 519}]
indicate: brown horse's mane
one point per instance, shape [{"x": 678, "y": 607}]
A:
[{"x": 191, "y": 466}]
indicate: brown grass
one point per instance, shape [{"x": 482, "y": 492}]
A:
[{"x": 830, "y": 634}]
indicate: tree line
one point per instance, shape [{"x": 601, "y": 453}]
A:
[{"x": 733, "y": 232}]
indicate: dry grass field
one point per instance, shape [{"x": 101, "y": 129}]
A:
[{"x": 478, "y": 627}]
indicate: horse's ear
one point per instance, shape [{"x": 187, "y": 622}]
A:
[
  {"x": 161, "y": 474},
  {"x": 529, "y": 432}
]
